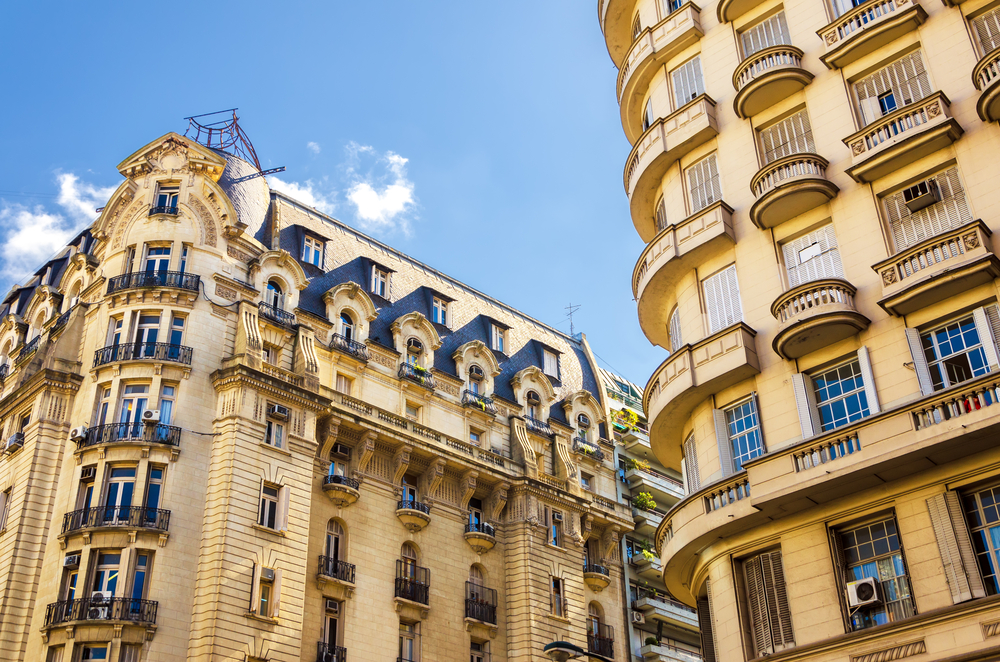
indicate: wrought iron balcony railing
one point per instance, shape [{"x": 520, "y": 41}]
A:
[
  {"x": 581, "y": 445},
  {"x": 537, "y": 426},
  {"x": 353, "y": 483},
  {"x": 127, "y": 517},
  {"x": 28, "y": 348},
  {"x": 470, "y": 399},
  {"x": 139, "y": 433},
  {"x": 601, "y": 639},
  {"x": 162, "y": 209},
  {"x": 143, "y": 351},
  {"x": 597, "y": 568},
  {"x": 101, "y": 609},
  {"x": 417, "y": 374},
  {"x": 60, "y": 321},
  {"x": 275, "y": 314},
  {"x": 480, "y": 527},
  {"x": 331, "y": 567},
  {"x": 411, "y": 504},
  {"x": 4, "y": 369},
  {"x": 480, "y": 603},
  {"x": 343, "y": 344},
  {"x": 412, "y": 582},
  {"x": 327, "y": 653},
  {"x": 136, "y": 279}
]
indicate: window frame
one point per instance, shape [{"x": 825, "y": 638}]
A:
[
  {"x": 312, "y": 250},
  {"x": 557, "y": 596}
]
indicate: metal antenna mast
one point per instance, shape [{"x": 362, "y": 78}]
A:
[
  {"x": 221, "y": 130},
  {"x": 572, "y": 309}
]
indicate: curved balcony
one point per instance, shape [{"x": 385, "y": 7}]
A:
[
  {"x": 596, "y": 576},
  {"x": 790, "y": 186},
  {"x": 937, "y": 268},
  {"x": 413, "y": 514},
  {"x": 116, "y": 517},
  {"x": 275, "y": 314},
  {"x": 417, "y": 375},
  {"x": 902, "y": 137},
  {"x": 143, "y": 351},
  {"x": 673, "y": 252},
  {"x": 662, "y": 145},
  {"x": 26, "y": 350},
  {"x": 165, "y": 210},
  {"x": 767, "y": 77},
  {"x": 727, "y": 10},
  {"x": 350, "y": 347},
  {"x": 867, "y": 28},
  {"x": 815, "y": 315},
  {"x": 688, "y": 377},
  {"x": 142, "y": 279},
  {"x": 101, "y": 609},
  {"x": 479, "y": 401},
  {"x": 130, "y": 433},
  {"x": 986, "y": 77},
  {"x": 342, "y": 490},
  {"x": 615, "y": 17},
  {"x": 480, "y": 536},
  {"x": 655, "y": 45},
  {"x": 588, "y": 449}
]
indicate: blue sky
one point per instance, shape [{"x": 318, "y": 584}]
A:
[{"x": 481, "y": 138}]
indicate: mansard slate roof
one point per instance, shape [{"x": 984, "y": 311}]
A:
[{"x": 50, "y": 273}]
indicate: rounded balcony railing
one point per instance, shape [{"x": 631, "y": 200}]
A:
[
  {"x": 815, "y": 315},
  {"x": 143, "y": 351},
  {"x": 767, "y": 77},
  {"x": 138, "y": 279},
  {"x": 101, "y": 608},
  {"x": 352, "y": 483},
  {"x": 985, "y": 76},
  {"x": 411, "y": 504},
  {"x": 116, "y": 517},
  {"x": 788, "y": 187}
]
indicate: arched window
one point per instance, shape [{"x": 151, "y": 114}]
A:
[
  {"x": 675, "y": 330},
  {"x": 476, "y": 377},
  {"x": 594, "y": 617},
  {"x": 410, "y": 555},
  {"x": 74, "y": 296},
  {"x": 5, "y": 355},
  {"x": 275, "y": 297},
  {"x": 39, "y": 325},
  {"x": 346, "y": 325},
  {"x": 336, "y": 541},
  {"x": 534, "y": 402},
  {"x": 583, "y": 426},
  {"x": 476, "y": 575}
]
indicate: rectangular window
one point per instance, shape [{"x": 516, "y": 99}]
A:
[
  {"x": 343, "y": 384},
  {"x": 167, "y": 397},
  {"x": 687, "y": 82},
  {"x": 412, "y": 412},
  {"x": 498, "y": 339},
  {"x": 479, "y": 651},
  {"x": 586, "y": 481},
  {"x": 271, "y": 355},
  {"x": 55, "y": 654},
  {"x": 166, "y": 195},
  {"x": 982, "y": 513},
  {"x": 557, "y": 598},
  {"x": 840, "y": 396},
  {"x": 874, "y": 551},
  {"x": 690, "y": 466},
  {"x": 154, "y": 489},
  {"x": 440, "y": 311},
  {"x": 949, "y": 212},
  {"x": 312, "y": 251},
  {"x": 987, "y": 29},
  {"x": 184, "y": 258},
  {"x": 130, "y": 653},
  {"x": 955, "y": 353},
  {"x": 264, "y": 594},
  {"x": 813, "y": 256},
  {"x": 555, "y": 527},
  {"x": 268, "y": 514},
  {"x": 274, "y": 434},
  {"x": 157, "y": 259},
  {"x": 4, "y": 507},
  {"x": 94, "y": 653},
  {"x": 703, "y": 184},
  {"x": 722, "y": 300},
  {"x": 895, "y": 85},
  {"x": 475, "y": 437},
  {"x": 409, "y": 642},
  {"x": 770, "y": 32},
  {"x": 792, "y": 135},
  {"x": 115, "y": 331},
  {"x": 743, "y": 433},
  {"x": 770, "y": 622},
  {"x": 551, "y": 363},
  {"x": 380, "y": 281},
  {"x": 23, "y": 422},
  {"x": 106, "y": 574}
]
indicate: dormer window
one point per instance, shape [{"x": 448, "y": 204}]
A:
[
  {"x": 550, "y": 364},
  {"x": 583, "y": 425},
  {"x": 440, "y": 311},
  {"x": 346, "y": 326},
  {"x": 499, "y": 341},
  {"x": 534, "y": 403},
  {"x": 274, "y": 296},
  {"x": 414, "y": 348},
  {"x": 166, "y": 199},
  {"x": 312, "y": 251},
  {"x": 380, "y": 281},
  {"x": 476, "y": 377}
]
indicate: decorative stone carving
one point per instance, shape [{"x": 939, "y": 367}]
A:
[
  {"x": 468, "y": 486},
  {"x": 496, "y": 500},
  {"x": 364, "y": 451},
  {"x": 431, "y": 479},
  {"x": 242, "y": 256},
  {"x": 400, "y": 462},
  {"x": 227, "y": 293},
  {"x": 207, "y": 223},
  {"x": 894, "y": 653},
  {"x": 889, "y": 276},
  {"x": 971, "y": 240},
  {"x": 608, "y": 540}
]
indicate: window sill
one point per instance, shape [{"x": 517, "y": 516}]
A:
[
  {"x": 273, "y": 532},
  {"x": 558, "y": 619},
  {"x": 276, "y": 449},
  {"x": 270, "y": 620}
]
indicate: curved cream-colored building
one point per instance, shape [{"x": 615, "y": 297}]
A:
[{"x": 816, "y": 185}]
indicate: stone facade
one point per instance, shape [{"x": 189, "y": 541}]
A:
[{"x": 325, "y": 466}]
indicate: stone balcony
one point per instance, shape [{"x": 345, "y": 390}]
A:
[
  {"x": 653, "y": 47},
  {"x": 767, "y": 77},
  {"x": 655, "y": 653},
  {"x": 815, "y": 315},
  {"x": 867, "y": 28},
  {"x": 727, "y": 10},
  {"x": 937, "y": 268},
  {"x": 664, "y": 489},
  {"x": 646, "y": 521},
  {"x": 662, "y": 145},
  {"x": 689, "y": 376},
  {"x": 790, "y": 186},
  {"x": 902, "y": 137},
  {"x": 662, "y": 609},
  {"x": 646, "y": 568},
  {"x": 674, "y": 251},
  {"x": 986, "y": 77}
]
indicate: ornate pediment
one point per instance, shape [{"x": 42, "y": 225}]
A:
[{"x": 173, "y": 153}]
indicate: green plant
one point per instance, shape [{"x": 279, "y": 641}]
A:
[
  {"x": 651, "y": 641},
  {"x": 644, "y": 501},
  {"x": 626, "y": 418},
  {"x": 638, "y": 465}
]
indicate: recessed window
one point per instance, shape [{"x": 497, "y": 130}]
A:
[
  {"x": 550, "y": 363},
  {"x": 556, "y": 597},
  {"x": 274, "y": 296},
  {"x": 743, "y": 431},
  {"x": 409, "y": 642},
  {"x": 475, "y": 437},
  {"x": 344, "y": 384},
  {"x": 704, "y": 187},
  {"x": 840, "y": 396},
  {"x": 346, "y": 325},
  {"x": 873, "y": 552},
  {"x": 412, "y": 412},
  {"x": 268, "y": 515},
  {"x": 274, "y": 435},
  {"x": 157, "y": 259},
  {"x": 769, "y": 625},
  {"x": 499, "y": 339},
  {"x": 555, "y": 526},
  {"x": 4, "y": 507},
  {"x": 271, "y": 355},
  {"x": 687, "y": 82},
  {"x": 586, "y": 481},
  {"x": 722, "y": 299},
  {"x": 954, "y": 353},
  {"x": 440, "y": 311},
  {"x": 479, "y": 651},
  {"x": 94, "y": 653},
  {"x": 166, "y": 198},
  {"x": 312, "y": 251},
  {"x": 647, "y": 115},
  {"x": 380, "y": 281}
]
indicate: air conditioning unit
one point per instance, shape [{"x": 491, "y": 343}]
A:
[
  {"x": 533, "y": 398},
  {"x": 332, "y": 606},
  {"x": 862, "y": 592},
  {"x": 78, "y": 433},
  {"x": 341, "y": 450},
  {"x": 638, "y": 617},
  {"x": 267, "y": 574},
  {"x": 98, "y": 612},
  {"x": 923, "y": 194},
  {"x": 476, "y": 372},
  {"x": 88, "y": 473},
  {"x": 151, "y": 416},
  {"x": 15, "y": 440},
  {"x": 414, "y": 345},
  {"x": 557, "y": 517},
  {"x": 277, "y": 411},
  {"x": 71, "y": 561}
]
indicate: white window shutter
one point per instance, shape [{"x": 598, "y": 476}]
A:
[
  {"x": 919, "y": 362},
  {"x": 722, "y": 439},
  {"x": 957, "y": 554},
  {"x": 282, "y": 514},
  {"x": 255, "y": 588},
  {"x": 985, "y": 331},
  {"x": 805, "y": 403},
  {"x": 951, "y": 211},
  {"x": 691, "y": 465},
  {"x": 276, "y": 594},
  {"x": 826, "y": 264},
  {"x": 987, "y": 29},
  {"x": 868, "y": 379}
]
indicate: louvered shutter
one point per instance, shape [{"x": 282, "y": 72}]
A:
[
  {"x": 792, "y": 135},
  {"x": 951, "y": 211},
  {"x": 805, "y": 403},
  {"x": 868, "y": 379},
  {"x": 760, "y": 629},
  {"x": 661, "y": 216},
  {"x": 906, "y": 78},
  {"x": 687, "y": 82},
  {"x": 826, "y": 264},
  {"x": 675, "y": 331},
  {"x": 703, "y": 183},
  {"x": 776, "y": 596},
  {"x": 275, "y": 595},
  {"x": 957, "y": 554},
  {"x": 770, "y": 32},
  {"x": 722, "y": 440},
  {"x": 706, "y": 626},
  {"x": 722, "y": 300},
  {"x": 691, "y": 464},
  {"x": 985, "y": 331},
  {"x": 919, "y": 362},
  {"x": 993, "y": 315},
  {"x": 987, "y": 29},
  {"x": 255, "y": 589},
  {"x": 636, "y": 28},
  {"x": 840, "y": 574}
]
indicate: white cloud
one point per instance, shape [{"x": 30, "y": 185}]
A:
[
  {"x": 81, "y": 200},
  {"x": 307, "y": 193},
  {"x": 382, "y": 202},
  {"x": 30, "y": 236},
  {"x": 313, "y": 147}
]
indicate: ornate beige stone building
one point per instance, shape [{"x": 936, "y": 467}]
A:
[
  {"x": 815, "y": 183},
  {"x": 237, "y": 429}
]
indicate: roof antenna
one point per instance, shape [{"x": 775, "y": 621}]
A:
[
  {"x": 221, "y": 130},
  {"x": 572, "y": 309}
]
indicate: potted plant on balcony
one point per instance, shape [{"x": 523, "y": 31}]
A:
[
  {"x": 651, "y": 641},
  {"x": 646, "y": 548},
  {"x": 637, "y": 465},
  {"x": 644, "y": 501},
  {"x": 421, "y": 372}
]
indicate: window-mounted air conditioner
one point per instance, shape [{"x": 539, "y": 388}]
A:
[
  {"x": 340, "y": 450},
  {"x": 862, "y": 592},
  {"x": 277, "y": 411},
  {"x": 151, "y": 416},
  {"x": 920, "y": 195},
  {"x": 414, "y": 346},
  {"x": 332, "y": 606},
  {"x": 557, "y": 517},
  {"x": 475, "y": 372},
  {"x": 638, "y": 617},
  {"x": 71, "y": 561},
  {"x": 267, "y": 574},
  {"x": 78, "y": 433},
  {"x": 88, "y": 473},
  {"x": 15, "y": 440},
  {"x": 533, "y": 398}
]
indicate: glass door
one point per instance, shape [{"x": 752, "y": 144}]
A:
[{"x": 118, "y": 503}]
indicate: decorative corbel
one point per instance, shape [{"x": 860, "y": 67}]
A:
[
  {"x": 496, "y": 501},
  {"x": 609, "y": 540},
  {"x": 522, "y": 449},
  {"x": 431, "y": 479},
  {"x": 400, "y": 463},
  {"x": 586, "y": 525},
  {"x": 575, "y": 533},
  {"x": 468, "y": 486},
  {"x": 364, "y": 451},
  {"x": 328, "y": 433}
]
